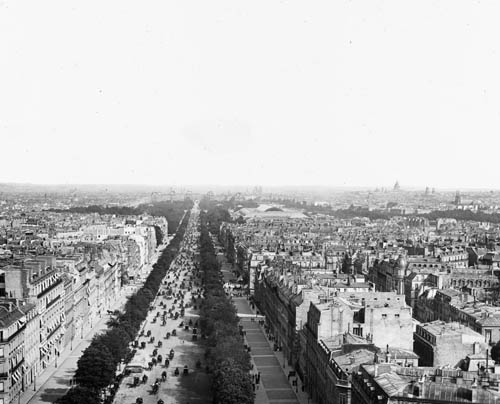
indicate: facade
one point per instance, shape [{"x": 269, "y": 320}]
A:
[
  {"x": 58, "y": 274},
  {"x": 48, "y": 289},
  {"x": 31, "y": 344},
  {"x": 454, "y": 306},
  {"x": 446, "y": 344},
  {"x": 69, "y": 302},
  {"x": 389, "y": 275},
  {"x": 382, "y": 318},
  {"x": 12, "y": 352}
]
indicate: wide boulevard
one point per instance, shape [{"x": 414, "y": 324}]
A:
[{"x": 180, "y": 289}]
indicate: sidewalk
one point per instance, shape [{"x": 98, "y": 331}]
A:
[
  {"x": 275, "y": 387},
  {"x": 301, "y": 394},
  {"x": 54, "y": 381}
]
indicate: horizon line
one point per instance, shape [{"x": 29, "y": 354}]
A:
[{"x": 296, "y": 186}]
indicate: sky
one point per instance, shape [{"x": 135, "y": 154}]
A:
[{"x": 261, "y": 92}]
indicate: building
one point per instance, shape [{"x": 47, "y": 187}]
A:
[
  {"x": 12, "y": 352},
  {"x": 31, "y": 344},
  {"x": 446, "y": 344},
  {"x": 37, "y": 281},
  {"x": 389, "y": 275},
  {"x": 387, "y": 383},
  {"x": 381, "y": 317}
]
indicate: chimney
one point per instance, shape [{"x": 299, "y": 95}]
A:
[
  {"x": 421, "y": 382},
  {"x": 473, "y": 388},
  {"x": 387, "y": 355}
]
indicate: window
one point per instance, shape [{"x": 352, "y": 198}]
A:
[
  {"x": 1, "y": 352},
  {"x": 396, "y": 315},
  {"x": 384, "y": 316},
  {"x": 1, "y": 390}
]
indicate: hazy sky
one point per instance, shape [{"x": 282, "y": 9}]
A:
[{"x": 257, "y": 92}]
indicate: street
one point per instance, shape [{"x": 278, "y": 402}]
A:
[{"x": 176, "y": 293}]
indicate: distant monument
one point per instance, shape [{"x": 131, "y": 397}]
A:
[{"x": 396, "y": 186}]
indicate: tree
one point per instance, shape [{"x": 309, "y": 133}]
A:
[
  {"x": 116, "y": 341},
  {"x": 80, "y": 395},
  {"x": 495, "y": 352},
  {"x": 219, "y": 322},
  {"x": 232, "y": 385},
  {"x": 232, "y": 347},
  {"x": 96, "y": 367}
]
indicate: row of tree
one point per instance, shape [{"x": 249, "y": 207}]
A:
[
  {"x": 97, "y": 366},
  {"x": 215, "y": 213},
  {"x": 376, "y": 214},
  {"x": 227, "y": 359}
]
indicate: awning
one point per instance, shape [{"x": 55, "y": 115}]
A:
[{"x": 16, "y": 376}]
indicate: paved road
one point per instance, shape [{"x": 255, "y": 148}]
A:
[{"x": 194, "y": 387}]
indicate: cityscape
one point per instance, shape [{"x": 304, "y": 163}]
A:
[
  {"x": 265, "y": 202},
  {"x": 173, "y": 295}
]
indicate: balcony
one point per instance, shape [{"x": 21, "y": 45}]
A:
[
  {"x": 53, "y": 301},
  {"x": 53, "y": 331},
  {"x": 51, "y": 287}
]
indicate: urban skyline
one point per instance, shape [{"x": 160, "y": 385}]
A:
[{"x": 261, "y": 202}]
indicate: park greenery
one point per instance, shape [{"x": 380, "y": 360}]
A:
[
  {"x": 96, "y": 368},
  {"x": 172, "y": 211},
  {"x": 227, "y": 359},
  {"x": 382, "y": 214}
]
